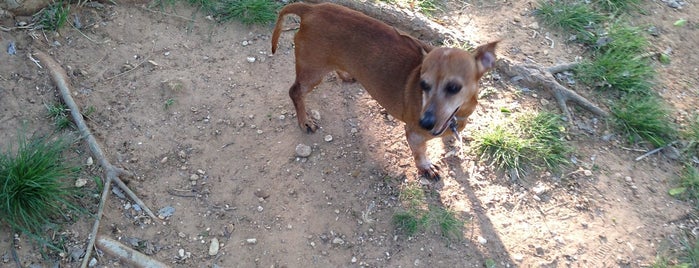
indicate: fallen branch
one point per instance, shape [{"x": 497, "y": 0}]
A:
[
  {"x": 423, "y": 28},
  {"x": 654, "y": 151},
  {"x": 112, "y": 173},
  {"x": 127, "y": 254}
]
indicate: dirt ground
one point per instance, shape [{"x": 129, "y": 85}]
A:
[{"x": 199, "y": 111}]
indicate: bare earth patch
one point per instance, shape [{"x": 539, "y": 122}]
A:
[{"x": 200, "y": 113}]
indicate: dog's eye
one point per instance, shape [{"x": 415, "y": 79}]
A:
[
  {"x": 425, "y": 86},
  {"x": 452, "y": 88}
]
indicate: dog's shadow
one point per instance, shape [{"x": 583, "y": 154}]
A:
[{"x": 453, "y": 169}]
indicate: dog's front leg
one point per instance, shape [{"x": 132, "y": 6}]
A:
[{"x": 418, "y": 145}]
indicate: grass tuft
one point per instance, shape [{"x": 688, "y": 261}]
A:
[
  {"x": 644, "y": 117},
  {"x": 59, "y": 113},
  {"x": 53, "y": 17},
  {"x": 246, "y": 11},
  {"x": 532, "y": 140},
  {"x": 579, "y": 18},
  {"x": 618, "y": 62},
  {"x": 33, "y": 193},
  {"x": 616, "y": 6},
  {"x": 691, "y": 135},
  {"x": 419, "y": 216}
]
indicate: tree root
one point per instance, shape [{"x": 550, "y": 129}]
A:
[
  {"x": 423, "y": 28},
  {"x": 111, "y": 172}
]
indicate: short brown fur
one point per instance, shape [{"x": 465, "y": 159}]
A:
[{"x": 428, "y": 88}]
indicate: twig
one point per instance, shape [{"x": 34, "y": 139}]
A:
[
  {"x": 654, "y": 151},
  {"x": 112, "y": 173},
  {"x": 34, "y": 60}
]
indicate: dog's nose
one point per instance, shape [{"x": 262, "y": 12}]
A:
[{"x": 427, "y": 120}]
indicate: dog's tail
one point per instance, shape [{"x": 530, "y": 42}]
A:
[{"x": 295, "y": 8}]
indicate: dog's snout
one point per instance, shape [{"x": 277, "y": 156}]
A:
[{"x": 428, "y": 120}]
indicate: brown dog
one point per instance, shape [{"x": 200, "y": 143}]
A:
[{"x": 432, "y": 90}]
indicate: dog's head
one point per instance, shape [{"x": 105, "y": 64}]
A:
[{"x": 449, "y": 79}]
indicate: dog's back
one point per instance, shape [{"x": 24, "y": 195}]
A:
[{"x": 378, "y": 56}]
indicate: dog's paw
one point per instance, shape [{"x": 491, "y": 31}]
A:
[
  {"x": 310, "y": 126},
  {"x": 431, "y": 172}
]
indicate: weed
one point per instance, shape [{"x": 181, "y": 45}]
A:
[
  {"x": 408, "y": 221},
  {"x": 246, "y": 11},
  {"x": 644, "y": 117},
  {"x": 33, "y": 193},
  {"x": 53, "y": 17},
  {"x": 579, "y": 18},
  {"x": 59, "y": 113},
  {"x": 419, "y": 216},
  {"x": 689, "y": 184},
  {"x": 546, "y": 131},
  {"x": 168, "y": 103}
]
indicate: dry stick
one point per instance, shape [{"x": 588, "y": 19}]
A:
[
  {"x": 423, "y": 28},
  {"x": 654, "y": 151},
  {"x": 111, "y": 172}
]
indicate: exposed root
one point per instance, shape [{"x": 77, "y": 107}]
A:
[{"x": 111, "y": 172}]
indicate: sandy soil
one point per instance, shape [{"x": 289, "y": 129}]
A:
[{"x": 199, "y": 111}]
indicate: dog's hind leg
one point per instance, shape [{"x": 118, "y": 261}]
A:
[{"x": 306, "y": 80}]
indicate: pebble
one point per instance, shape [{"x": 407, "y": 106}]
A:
[
  {"x": 628, "y": 179},
  {"x": 180, "y": 252},
  {"x": 315, "y": 115},
  {"x": 260, "y": 208},
  {"x": 251, "y": 59},
  {"x": 587, "y": 173},
  {"x": 262, "y": 193},
  {"x": 251, "y": 241},
  {"x": 354, "y": 259},
  {"x": 193, "y": 177},
  {"x": 201, "y": 172},
  {"x": 338, "y": 241},
  {"x": 214, "y": 247},
  {"x": 303, "y": 150},
  {"x": 93, "y": 262},
  {"x": 328, "y": 138},
  {"x": 482, "y": 240},
  {"x": 80, "y": 182},
  {"x": 89, "y": 161},
  {"x": 162, "y": 161}
]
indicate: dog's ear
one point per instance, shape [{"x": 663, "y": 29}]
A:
[{"x": 485, "y": 57}]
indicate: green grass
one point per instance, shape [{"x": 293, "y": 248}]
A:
[
  {"x": 578, "y": 18},
  {"x": 691, "y": 134},
  {"x": 644, "y": 118},
  {"x": 34, "y": 192},
  {"x": 419, "y": 216},
  {"x": 616, "y": 6},
  {"x": 531, "y": 140},
  {"x": 246, "y": 11},
  {"x": 54, "y": 16},
  {"x": 688, "y": 185},
  {"x": 618, "y": 64},
  {"x": 59, "y": 113}
]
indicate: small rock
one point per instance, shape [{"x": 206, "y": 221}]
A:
[
  {"x": 539, "y": 251},
  {"x": 354, "y": 130},
  {"x": 262, "y": 193},
  {"x": 180, "y": 253},
  {"x": 80, "y": 182},
  {"x": 251, "y": 241},
  {"x": 354, "y": 259},
  {"x": 338, "y": 241},
  {"x": 182, "y": 154},
  {"x": 245, "y": 43},
  {"x": 193, "y": 177},
  {"x": 164, "y": 160},
  {"x": 672, "y": 152},
  {"x": 628, "y": 179},
  {"x": 534, "y": 26},
  {"x": 214, "y": 247},
  {"x": 587, "y": 173},
  {"x": 328, "y": 138},
  {"x": 251, "y": 59},
  {"x": 315, "y": 115},
  {"x": 93, "y": 262},
  {"x": 260, "y": 208},
  {"x": 518, "y": 257},
  {"x": 166, "y": 211},
  {"x": 482, "y": 240},
  {"x": 303, "y": 150},
  {"x": 89, "y": 161},
  {"x": 544, "y": 102},
  {"x": 201, "y": 172}
]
